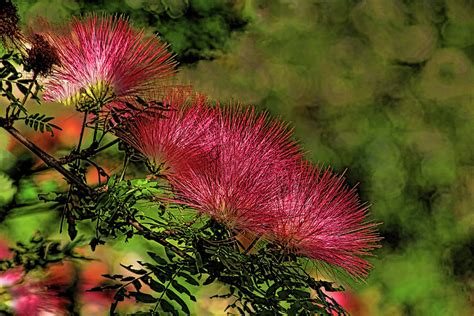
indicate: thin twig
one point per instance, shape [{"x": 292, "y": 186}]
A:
[
  {"x": 153, "y": 236},
  {"x": 100, "y": 170},
  {"x": 166, "y": 288},
  {"x": 124, "y": 169},
  {"x": 84, "y": 154},
  {"x": 48, "y": 159},
  {"x": 81, "y": 136},
  {"x": 25, "y": 98},
  {"x": 110, "y": 144},
  {"x": 256, "y": 239}
]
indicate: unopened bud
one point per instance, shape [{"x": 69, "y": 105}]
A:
[
  {"x": 10, "y": 34},
  {"x": 41, "y": 57}
]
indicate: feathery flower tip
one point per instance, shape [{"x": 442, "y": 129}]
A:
[
  {"x": 319, "y": 217},
  {"x": 104, "y": 59},
  {"x": 172, "y": 140},
  {"x": 240, "y": 177}
]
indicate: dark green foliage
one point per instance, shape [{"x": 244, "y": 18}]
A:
[
  {"x": 11, "y": 77},
  {"x": 40, "y": 252},
  {"x": 195, "y": 29},
  {"x": 40, "y": 122},
  {"x": 29, "y": 88},
  {"x": 256, "y": 283}
]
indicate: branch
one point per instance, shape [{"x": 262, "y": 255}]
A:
[
  {"x": 152, "y": 236},
  {"x": 86, "y": 153},
  {"x": 83, "y": 155},
  {"x": 48, "y": 159}
]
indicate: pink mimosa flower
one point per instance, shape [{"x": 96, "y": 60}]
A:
[
  {"x": 102, "y": 59},
  {"x": 27, "y": 297},
  {"x": 173, "y": 139},
  {"x": 234, "y": 187},
  {"x": 10, "y": 277},
  {"x": 319, "y": 217}
]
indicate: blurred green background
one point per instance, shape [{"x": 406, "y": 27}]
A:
[{"x": 384, "y": 89}]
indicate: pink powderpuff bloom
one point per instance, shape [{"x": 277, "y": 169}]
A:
[
  {"x": 240, "y": 177},
  {"x": 319, "y": 217},
  {"x": 103, "y": 59},
  {"x": 173, "y": 139},
  {"x": 29, "y": 297}
]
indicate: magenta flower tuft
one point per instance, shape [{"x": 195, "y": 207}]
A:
[
  {"x": 28, "y": 297},
  {"x": 234, "y": 187},
  {"x": 319, "y": 217},
  {"x": 172, "y": 140},
  {"x": 102, "y": 59}
]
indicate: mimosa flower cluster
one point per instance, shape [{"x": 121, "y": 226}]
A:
[
  {"x": 244, "y": 169},
  {"x": 238, "y": 166},
  {"x": 103, "y": 59}
]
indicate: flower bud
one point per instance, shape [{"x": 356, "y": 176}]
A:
[
  {"x": 41, "y": 57},
  {"x": 10, "y": 34}
]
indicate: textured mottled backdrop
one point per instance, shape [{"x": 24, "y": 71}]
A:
[{"x": 382, "y": 88}]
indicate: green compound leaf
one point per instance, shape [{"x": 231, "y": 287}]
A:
[{"x": 41, "y": 122}]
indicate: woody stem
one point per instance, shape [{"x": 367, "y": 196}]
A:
[{"x": 48, "y": 159}]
